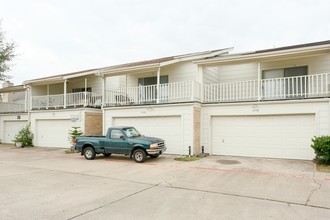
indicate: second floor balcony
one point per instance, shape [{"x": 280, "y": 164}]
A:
[
  {"x": 79, "y": 99},
  {"x": 187, "y": 91},
  {"x": 298, "y": 87}
]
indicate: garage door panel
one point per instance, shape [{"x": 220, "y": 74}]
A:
[
  {"x": 53, "y": 133},
  {"x": 167, "y": 128},
  {"x": 11, "y": 129},
  {"x": 279, "y": 136}
]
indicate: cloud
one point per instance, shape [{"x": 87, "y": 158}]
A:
[{"x": 56, "y": 37}]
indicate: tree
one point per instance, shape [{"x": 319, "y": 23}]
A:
[{"x": 7, "y": 53}]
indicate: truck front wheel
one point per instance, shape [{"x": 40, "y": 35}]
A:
[
  {"x": 139, "y": 155},
  {"x": 89, "y": 153}
]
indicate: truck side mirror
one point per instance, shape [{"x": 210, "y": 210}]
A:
[{"x": 121, "y": 137}]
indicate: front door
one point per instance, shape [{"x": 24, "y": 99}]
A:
[{"x": 117, "y": 143}]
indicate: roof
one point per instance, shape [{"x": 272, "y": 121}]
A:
[
  {"x": 18, "y": 88},
  {"x": 320, "y": 43},
  {"x": 287, "y": 51},
  {"x": 119, "y": 67}
]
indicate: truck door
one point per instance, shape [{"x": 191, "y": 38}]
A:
[{"x": 116, "y": 143}]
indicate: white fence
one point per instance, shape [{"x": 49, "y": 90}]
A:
[
  {"x": 72, "y": 100},
  {"x": 6, "y": 107},
  {"x": 163, "y": 93},
  {"x": 307, "y": 86}
]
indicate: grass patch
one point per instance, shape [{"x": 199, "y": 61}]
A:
[
  {"x": 71, "y": 152},
  {"x": 187, "y": 159},
  {"x": 323, "y": 168}
]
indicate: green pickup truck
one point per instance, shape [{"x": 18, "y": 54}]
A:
[{"x": 120, "y": 140}]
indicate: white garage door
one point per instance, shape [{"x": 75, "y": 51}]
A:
[
  {"x": 11, "y": 129},
  {"x": 53, "y": 133},
  {"x": 281, "y": 136},
  {"x": 167, "y": 128}
]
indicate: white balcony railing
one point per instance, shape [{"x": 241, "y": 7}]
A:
[
  {"x": 308, "y": 86},
  {"x": 78, "y": 99},
  {"x": 164, "y": 93},
  {"x": 6, "y": 107}
]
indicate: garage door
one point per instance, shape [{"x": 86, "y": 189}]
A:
[
  {"x": 11, "y": 129},
  {"x": 281, "y": 136},
  {"x": 167, "y": 128},
  {"x": 53, "y": 133}
]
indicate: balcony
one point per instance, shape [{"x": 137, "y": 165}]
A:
[
  {"x": 6, "y": 107},
  {"x": 298, "y": 87},
  {"x": 177, "y": 92},
  {"x": 73, "y": 100}
]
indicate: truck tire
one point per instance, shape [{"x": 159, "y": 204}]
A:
[
  {"x": 107, "y": 154},
  {"x": 89, "y": 153},
  {"x": 154, "y": 155},
  {"x": 139, "y": 155}
]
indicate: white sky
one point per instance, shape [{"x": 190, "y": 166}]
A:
[{"x": 61, "y": 36}]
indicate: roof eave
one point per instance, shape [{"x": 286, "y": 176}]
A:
[{"x": 266, "y": 55}]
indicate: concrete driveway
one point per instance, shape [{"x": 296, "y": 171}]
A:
[{"x": 49, "y": 184}]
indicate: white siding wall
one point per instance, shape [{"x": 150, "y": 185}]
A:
[
  {"x": 184, "y": 111},
  {"x": 211, "y": 75},
  {"x": 92, "y": 81},
  {"x": 183, "y": 71},
  {"x": 115, "y": 82},
  {"x": 66, "y": 114},
  {"x": 318, "y": 107},
  {"x": 10, "y": 118},
  {"x": 56, "y": 88},
  {"x": 238, "y": 72},
  {"x": 316, "y": 64},
  {"x": 39, "y": 90}
]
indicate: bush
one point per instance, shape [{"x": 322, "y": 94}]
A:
[
  {"x": 321, "y": 146},
  {"x": 73, "y": 133},
  {"x": 24, "y": 136}
]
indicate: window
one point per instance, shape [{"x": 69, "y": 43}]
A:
[
  {"x": 148, "y": 90},
  {"x": 89, "y": 89},
  {"x": 285, "y": 83},
  {"x": 116, "y": 134}
]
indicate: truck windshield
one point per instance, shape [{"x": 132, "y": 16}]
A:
[{"x": 132, "y": 132}]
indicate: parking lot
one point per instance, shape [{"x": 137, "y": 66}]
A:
[{"x": 43, "y": 183}]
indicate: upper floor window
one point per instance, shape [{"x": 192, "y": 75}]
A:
[
  {"x": 88, "y": 89},
  {"x": 284, "y": 72},
  {"x": 147, "y": 81}
]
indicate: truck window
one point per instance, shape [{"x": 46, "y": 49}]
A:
[
  {"x": 116, "y": 134},
  {"x": 132, "y": 132}
]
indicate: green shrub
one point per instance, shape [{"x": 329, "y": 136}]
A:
[
  {"x": 73, "y": 133},
  {"x": 321, "y": 146},
  {"x": 24, "y": 136}
]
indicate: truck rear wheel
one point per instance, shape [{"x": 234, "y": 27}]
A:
[
  {"x": 139, "y": 155},
  {"x": 89, "y": 153}
]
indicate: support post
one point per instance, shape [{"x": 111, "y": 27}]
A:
[
  {"x": 259, "y": 81},
  {"x": 85, "y": 101},
  {"x": 158, "y": 85},
  {"x": 64, "y": 93},
  {"x": 47, "y": 96},
  {"x": 30, "y": 97},
  {"x": 103, "y": 90}
]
